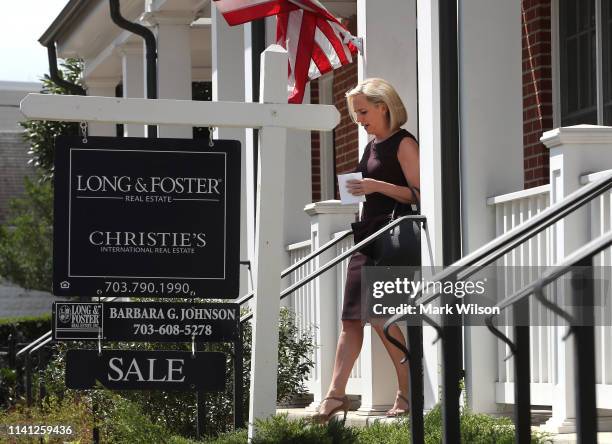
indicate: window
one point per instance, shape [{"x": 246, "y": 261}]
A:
[
  {"x": 585, "y": 51},
  {"x": 607, "y": 60}
]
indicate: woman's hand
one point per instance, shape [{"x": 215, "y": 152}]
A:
[{"x": 362, "y": 187}]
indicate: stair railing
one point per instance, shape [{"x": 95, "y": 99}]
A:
[{"x": 466, "y": 267}]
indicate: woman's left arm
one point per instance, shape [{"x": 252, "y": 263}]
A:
[{"x": 408, "y": 157}]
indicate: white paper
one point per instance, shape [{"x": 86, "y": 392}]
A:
[{"x": 345, "y": 196}]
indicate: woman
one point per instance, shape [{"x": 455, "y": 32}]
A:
[{"x": 389, "y": 164}]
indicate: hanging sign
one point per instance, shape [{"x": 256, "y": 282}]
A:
[
  {"x": 76, "y": 320},
  {"x": 145, "y": 321},
  {"x": 145, "y": 370},
  {"x": 146, "y": 217}
]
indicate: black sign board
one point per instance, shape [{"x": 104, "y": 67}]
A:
[
  {"x": 145, "y": 321},
  {"x": 146, "y": 217},
  {"x": 145, "y": 370}
]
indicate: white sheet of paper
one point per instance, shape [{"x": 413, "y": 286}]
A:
[{"x": 345, "y": 196}]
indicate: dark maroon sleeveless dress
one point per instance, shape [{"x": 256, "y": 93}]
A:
[{"x": 379, "y": 161}]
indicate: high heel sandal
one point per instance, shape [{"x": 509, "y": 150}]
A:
[
  {"x": 320, "y": 418},
  {"x": 395, "y": 413}
]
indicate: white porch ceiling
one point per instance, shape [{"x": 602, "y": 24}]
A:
[{"x": 95, "y": 38}]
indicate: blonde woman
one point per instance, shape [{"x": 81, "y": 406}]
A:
[{"x": 389, "y": 166}]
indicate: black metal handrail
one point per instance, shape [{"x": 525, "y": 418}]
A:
[
  {"x": 341, "y": 236},
  {"x": 490, "y": 252},
  {"x": 332, "y": 263},
  {"x": 585, "y": 403},
  {"x": 590, "y": 249}
]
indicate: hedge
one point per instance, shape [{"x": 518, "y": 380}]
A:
[{"x": 27, "y": 328}]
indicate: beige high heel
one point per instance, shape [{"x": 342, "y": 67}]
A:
[
  {"x": 320, "y": 418},
  {"x": 395, "y": 413}
]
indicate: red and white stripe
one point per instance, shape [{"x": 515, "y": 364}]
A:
[
  {"x": 315, "y": 40},
  {"x": 237, "y": 12}
]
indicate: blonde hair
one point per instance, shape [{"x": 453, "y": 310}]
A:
[{"x": 379, "y": 91}]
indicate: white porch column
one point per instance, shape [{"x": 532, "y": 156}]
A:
[
  {"x": 173, "y": 61},
  {"x": 326, "y": 218},
  {"x": 105, "y": 87},
  {"x": 228, "y": 83},
  {"x": 491, "y": 151},
  {"x": 389, "y": 32},
  {"x": 574, "y": 151},
  {"x": 132, "y": 63},
  {"x": 430, "y": 154}
]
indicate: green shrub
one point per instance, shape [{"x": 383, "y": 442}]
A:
[
  {"x": 68, "y": 412},
  {"x": 476, "y": 428},
  {"x": 26, "y": 238},
  {"x": 385, "y": 433},
  {"x": 281, "y": 430},
  {"x": 175, "y": 412},
  {"x": 8, "y": 386},
  {"x": 124, "y": 421},
  {"x": 235, "y": 437},
  {"x": 127, "y": 423},
  {"x": 294, "y": 357},
  {"x": 26, "y": 328}
]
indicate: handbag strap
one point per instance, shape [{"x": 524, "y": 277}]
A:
[{"x": 398, "y": 205}]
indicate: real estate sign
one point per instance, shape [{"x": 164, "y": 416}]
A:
[
  {"x": 146, "y": 217},
  {"x": 145, "y": 321},
  {"x": 145, "y": 370}
]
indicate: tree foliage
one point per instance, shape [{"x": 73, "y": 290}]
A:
[
  {"x": 26, "y": 238},
  {"x": 41, "y": 134}
]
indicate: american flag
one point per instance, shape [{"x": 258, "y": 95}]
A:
[{"x": 315, "y": 40}]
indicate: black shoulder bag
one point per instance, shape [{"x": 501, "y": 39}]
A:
[{"x": 398, "y": 246}]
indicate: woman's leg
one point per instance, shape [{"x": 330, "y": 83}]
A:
[
  {"x": 347, "y": 351},
  {"x": 396, "y": 357}
]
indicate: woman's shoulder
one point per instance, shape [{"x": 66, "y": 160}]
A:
[
  {"x": 408, "y": 148},
  {"x": 405, "y": 134}
]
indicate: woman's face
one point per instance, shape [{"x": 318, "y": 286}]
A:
[{"x": 373, "y": 117}]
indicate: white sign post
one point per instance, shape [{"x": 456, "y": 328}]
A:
[{"x": 273, "y": 117}]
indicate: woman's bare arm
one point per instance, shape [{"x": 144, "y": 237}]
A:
[{"x": 408, "y": 157}]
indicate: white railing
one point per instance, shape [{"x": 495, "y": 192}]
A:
[
  {"x": 302, "y": 301},
  {"x": 511, "y": 210},
  {"x": 517, "y": 269},
  {"x": 600, "y": 214}
]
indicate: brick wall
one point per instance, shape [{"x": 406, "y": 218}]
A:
[
  {"x": 13, "y": 168},
  {"x": 345, "y": 135},
  {"x": 537, "y": 89}
]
